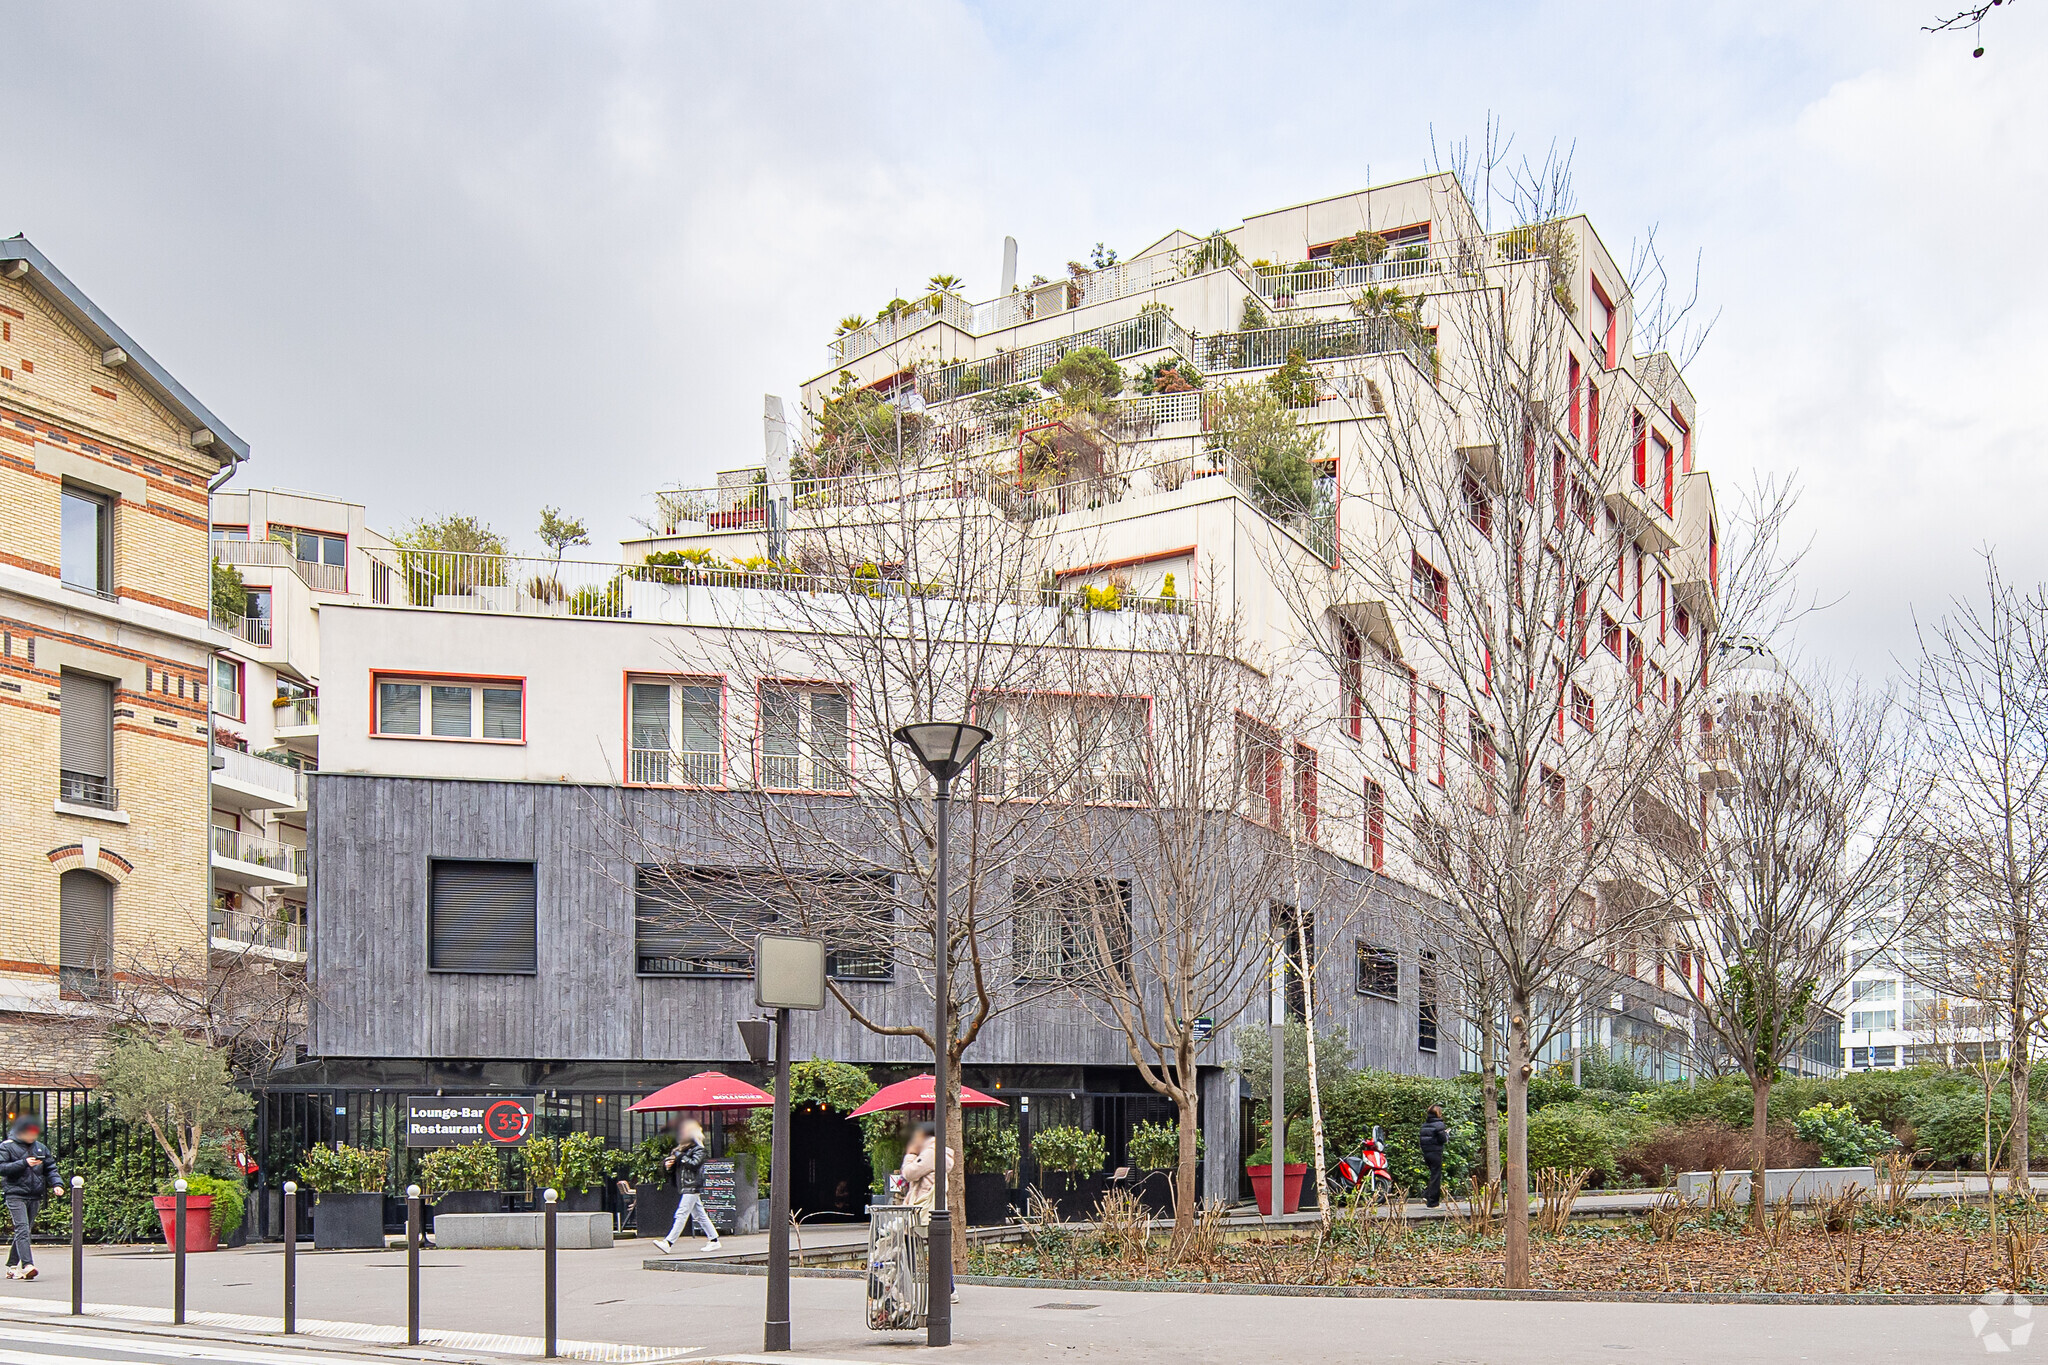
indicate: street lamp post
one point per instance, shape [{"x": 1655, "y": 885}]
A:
[{"x": 945, "y": 748}]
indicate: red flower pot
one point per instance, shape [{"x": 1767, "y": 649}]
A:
[
  {"x": 198, "y": 1220},
  {"x": 1291, "y": 1182}
]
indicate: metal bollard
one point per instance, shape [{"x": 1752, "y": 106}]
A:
[
  {"x": 291, "y": 1257},
  {"x": 548, "y": 1290},
  {"x": 412, "y": 1265},
  {"x": 178, "y": 1258},
  {"x": 77, "y": 1246}
]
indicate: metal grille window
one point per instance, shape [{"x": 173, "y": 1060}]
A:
[
  {"x": 677, "y": 733},
  {"x": 806, "y": 739},
  {"x": 1062, "y": 926},
  {"x": 86, "y": 521},
  {"x": 493, "y": 710},
  {"x": 85, "y": 741},
  {"x": 1427, "y": 990},
  {"x": 1379, "y": 970},
  {"x": 482, "y": 917},
  {"x": 701, "y": 921},
  {"x": 1053, "y": 746},
  {"x": 85, "y": 931}
]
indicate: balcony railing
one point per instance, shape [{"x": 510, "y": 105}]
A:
[
  {"x": 1269, "y": 347},
  {"x": 664, "y": 768},
  {"x": 268, "y": 774},
  {"x": 247, "y": 848},
  {"x": 257, "y": 930},
  {"x": 297, "y": 713},
  {"x": 275, "y": 554},
  {"x": 1149, "y": 331},
  {"x": 253, "y": 630},
  {"x": 80, "y": 789}
]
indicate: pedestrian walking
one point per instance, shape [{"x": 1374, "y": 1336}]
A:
[
  {"x": 27, "y": 1175},
  {"x": 1435, "y": 1133},
  {"x": 685, "y": 1167}
]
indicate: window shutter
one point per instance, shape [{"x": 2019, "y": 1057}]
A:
[
  {"x": 650, "y": 716},
  {"x": 451, "y": 712},
  {"x": 85, "y": 921},
  {"x": 481, "y": 917},
  {"x": 85, "y": 726},
  {"x": 398, "y": 708},
  {"x": 502, "y": 712}
]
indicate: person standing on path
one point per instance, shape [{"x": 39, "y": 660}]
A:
[
  {"x": 920, "y": 1173},
  {"x": 1435, "y": 1133},
  {"x": 686, "y": 1170},
  {"x": 27, "y": 1175}
]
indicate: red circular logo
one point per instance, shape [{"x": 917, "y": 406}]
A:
[{"x": 507, "y": 1121}]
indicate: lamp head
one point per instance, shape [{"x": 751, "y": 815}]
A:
[{"x": 944, "y": 747}]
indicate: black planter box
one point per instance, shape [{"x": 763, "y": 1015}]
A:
[
  {"x": 470, "y": 1201},
  {"x": 581, "y": 1201},
  {"x": 654, "y": 1208},
  {"x": 1075, "y": 1199},
  {"x": 988, "y": 1199},
  {"x": 1154, "y": 1190},
  {"x": 348, "y": 1222}
]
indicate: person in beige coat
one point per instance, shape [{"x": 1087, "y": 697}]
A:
[{"x": 920, "y": 1176}]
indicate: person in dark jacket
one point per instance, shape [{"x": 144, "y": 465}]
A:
[
  {"x": 686, "y": 1171},
  {"x": 1435, "y": 1133},
  {"x": 27, "y": 1175}
]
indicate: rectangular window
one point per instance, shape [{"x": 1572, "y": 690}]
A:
[
  {"x": 1638, "y": 555},
  {"x": 1642, "y": 449},
  {"x": 1056, "y": 746},
  {"x": 1379, "y": 971},
  {"x": 1431, "y": 588},
  {"x": 1582, "y": 708},
  {"x": 1375, "y": 826},
  {"x": 701, "y": 921},
  {"x": 1663, "y": 607},
  {"x": 806, "y": 739},
  {"x": 1635, "y": 667},
  {"x": 1610, "y": 635},
  {"x": 1873, "y": 1021},
  {"x": 1073, "y": 930},
  {"x": 87, "y": 551},
  {"x": 1307, "y": 818},
  {"x": 1665, "y": 466},
  {"x": 1572, "y": 385},
  {"x": 1426, "y": 992},
  {"x": 1440, "y": 718},
  {"x": 1414, "y": 721},
  {"x": 85, "y": 932},
  {"x": 1681, "y": 621},
  {"x": 1606, "y": 321},
  {"x": 464, "y": 708},
  {"x": 85, "y": 741},
  {"x": 482, "y": 917},
  {"x": 677, "y": 733},
  {"x": 313, "y": 547},
  {"x": 1354, "y": 682},
  {"x": 227, "y": 689},
  {"x": 1886, "y": 988},
  {"x": 1593, "y": 422},
  {"x": 1478, "y": 505},
  {"x": 1261, "y": 766},
  {"x": 1684, "y": 440}
]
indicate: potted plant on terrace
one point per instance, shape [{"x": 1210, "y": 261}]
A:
[
  {"x": 465, "y": 1179},
  {"x": 348, "y": 1196},
  {"x": 1070, "y": 1164},
  {"x": 991, "y": 1166},
  {"x": 575, "y": 1166},
  {"x": 180, "y": 1090},
  {"x": 1259, "y": 1166},
  {"x": 1154, "y": 1150}
]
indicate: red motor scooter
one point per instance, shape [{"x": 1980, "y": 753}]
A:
[{"x": 1365, "y": 1176}]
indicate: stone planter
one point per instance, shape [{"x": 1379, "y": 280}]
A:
[
  {"x": 348, "y": 1222},
  {"x": 470, "y": 1201},
  {"x": 988, "y": 1198},
  {"x": 573, "y": 1231},
  {"x": 1802, "y": 1184},
  {"x": 654, "y": 1208},
  {"x": 198, "y": 1220}
]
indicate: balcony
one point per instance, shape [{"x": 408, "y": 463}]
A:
[
  {"x": 81, "y": 789},
  {"x": 248, "y": 782},
  {"x": 275, "y": 554},
  {"x": 665, "y": 768},
  {"x": 297, "y": 725},
  {"x": 244, "y": 861},
  {"x": 250, "y": 630},
  {"x": 257, "y": 934},
  {"x": 1642, "y": 518}
]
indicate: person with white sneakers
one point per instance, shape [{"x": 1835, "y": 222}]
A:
[
  {"x": 27, "y": 1175},
  {"x": 685, "y": 1167}
]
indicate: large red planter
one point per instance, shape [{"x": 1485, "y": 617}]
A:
[
  {"x": 1290, "y": 1186},
  {"x": 198, "y": 1220}
]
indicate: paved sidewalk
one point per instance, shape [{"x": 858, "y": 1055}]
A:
[{"x": 606, "y": 1297}]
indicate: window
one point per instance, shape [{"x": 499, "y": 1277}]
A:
[
  {"x": 1640, "y": 436},
  {"x": 1307, "y": 821},
  {"x": 1684, "y": 440},
  {"x": 1885, "y": 989},
  {"x": 1529, "y": 480},
  {"x": 313, "y": 547},
  {"x": 1606, "y": 324},
  {"x": 481, "y": 917},
  {"x": 85, "y": 741},
  {"x": 806, "y": 739},
  {"x": 1582, "y": 707},
  {"x": 677, "y": 733},
  {"x": 1888, "y": 1055},
  {"x": 1440, "y": 712},
  {"x": 1354, "y": 682},
  {"x": 1572, "y": 386},
  {"x": 1431, "y": 588},
  {"x": 1663, "y": 607},
  {"x": 1379, "y": 971},
  {"x": 1295, "y": 935},
  {"x": 1056, "y": 746},
  {"x": 1375, "y": 826},
  {"x": 1610, "y": 635},
  {"x": 1681, "y": 621},
  {"x": 87, "y": 551},
  {"x": 1261, "y": 767},
  {"x": 1426, "y": 992},
  {"x": 227, "y": 689},
  {"x": 1061, "y": 927},
  {"x": 701, "y": 921},
  {"x": 1873, "y": 1021},
  {"x": 85, "y": 932},
  {"x": 1635, "y": 667},
  {"x": 1478, "y": 505},
  {"x": 488, "y": 709},
  {"x": 1592, "y": 422},
  {"x": 1665, "y": 464},
  {"x": 1637, "y": 552}
]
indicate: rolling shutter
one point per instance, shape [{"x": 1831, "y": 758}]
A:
[
  {"x": 85, "y": 920},
  {"x": 702, "y": 921},
  {"x": 503, "y": 713},
  {"x": 481, "y": 917},
  {"x": 85, "y": 724}
]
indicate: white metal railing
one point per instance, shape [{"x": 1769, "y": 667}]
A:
[
  {"x": 667, "y": 767},
  {"x": 1289, "y": 286},
  {"x": 267, "y": 773},
  {"x": 257, "y": 930},
  {"x": 247, "y": 848},
  {"x": 1269, "y": 347},
  {"x": 275, "y": 554},
  {"x": 253, "y": 630},
  {"x": 296, "y": 713},
  {"x": 1152, "y": 330},
  {"x": 943, "y": 306},
  {"x": 226, "y": 702}
]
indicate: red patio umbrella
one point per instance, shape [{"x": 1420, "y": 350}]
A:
[
  {"x": 916, "y": 1093},
  {"x": 705, "y": 1090}
]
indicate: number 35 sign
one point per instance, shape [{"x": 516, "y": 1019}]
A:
[{"x": 452, "y": 1120}]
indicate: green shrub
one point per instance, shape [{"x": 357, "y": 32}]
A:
[
  {"x": 1156, "y": 1146},
  {"x": 1547, "y": 1088},
  {"x": 472, "y": 1166},
  {"x": 568, "y": 1165},
  {"x": 229, "y": 1197},
  {"x": 343, "y": 1169},
  {"x": 1084, "y": 373},
  {"x": 1843, "y": 1138},
  {"x": 1568, "y": 1136},
  {"x": 1948, "y": 1127},
  {"x": 1360, "y": 248},
  {"x": 643, "y": 1163},
  {"x": 991, "y": 1149},
  {"x": 1398, "y": 1104},
  {"x": 1074, "y": 1150}
]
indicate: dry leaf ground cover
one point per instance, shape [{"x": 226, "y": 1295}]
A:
[{"x": 1949, "y": 1251}]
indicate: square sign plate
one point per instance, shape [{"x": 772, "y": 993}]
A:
[{"x": 789, "y": 973}]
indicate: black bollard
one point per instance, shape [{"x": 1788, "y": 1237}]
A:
[
  {"x": 548, "y": 1288},
  {"x": 178, "y": 1258},
  {"x": 412, "y": 1265},
  {"x": 77, "y": 1246},
  {"x": 291, "y": 1257}
]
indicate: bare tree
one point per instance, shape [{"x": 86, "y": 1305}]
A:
[
  {"x": 240, "y": 1001},
  {"x": 1971, "y": 19},
  {"x": 1981, "y": 699}
]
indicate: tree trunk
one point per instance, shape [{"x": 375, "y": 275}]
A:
[
  {"x": 1315, "y": 1094},
  {"x": 1489, "y": 1093},
  {"x": 956, "y": 1170},
  {"x": 2022, "y": 1014},
  {"x": 1519, "y": 1068},
  {"x": 1186, "y": 1101},
  {"x": 1759, "y": 1145}
]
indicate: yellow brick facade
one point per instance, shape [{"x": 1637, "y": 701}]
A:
[{"x": 67, "y": 417}]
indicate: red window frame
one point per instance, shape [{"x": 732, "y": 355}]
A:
[
  {"x": 1610, "y": 635},
  {"x": 1423, "y": 574},
  {"x": 1529, "y": 468},
  {"x": 1414, "y": 721},
  {"x": 1582, "y": 709},
  {"x": 1593, "y": 422},
  {"x": 1375, "y": 826},
  {"x": 1684, "y": 439},
  {"x": 1612, "y": 316},
  {"x": 1354, "y": 682},
  {"x": 1478, "y": 504},
  {"x": 1307, "y": 792},
  {"x": 1572, "y": 378},
  {"x": 1263, "y": 747},
  {"x": 1440, "y": 704},
  {"x": 1664, "y": 457},
  {"x": 1639, "y": 434}
]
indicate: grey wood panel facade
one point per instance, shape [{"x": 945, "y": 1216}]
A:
[{"x": 373, "y": 838}]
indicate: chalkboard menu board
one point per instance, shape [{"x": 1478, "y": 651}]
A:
[{"x": 730, "y": 1193}]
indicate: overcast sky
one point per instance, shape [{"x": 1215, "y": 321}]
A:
[{"x": 480, "y": 258}]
